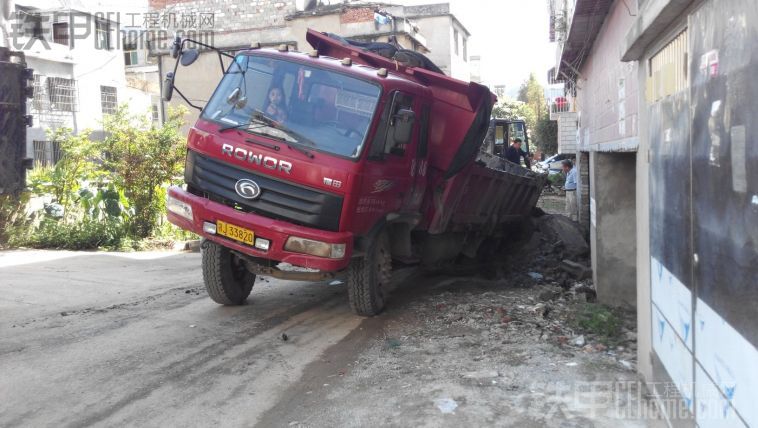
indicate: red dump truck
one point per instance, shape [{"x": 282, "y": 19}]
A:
[{"x": 340, "y": 161}]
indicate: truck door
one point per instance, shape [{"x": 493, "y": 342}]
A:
[{"x": 393, "y": 166}]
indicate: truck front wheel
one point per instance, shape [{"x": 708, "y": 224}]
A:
[
  {"x": 225, "y": 275},
  {"x": 368, "y": 278}
]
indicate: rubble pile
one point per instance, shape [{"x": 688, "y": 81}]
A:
[{"x": 545, "y": 294}]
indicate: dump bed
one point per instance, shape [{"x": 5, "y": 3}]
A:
[
  {"x": 470, "y": 190},
  {"x": 483, "y": 198}
]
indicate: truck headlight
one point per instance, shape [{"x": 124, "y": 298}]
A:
[
  {"x": 182, "y": 209},
  {"x": 315, "y": 248}
]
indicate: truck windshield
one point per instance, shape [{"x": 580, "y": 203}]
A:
[{"x": 302, "y": 104}]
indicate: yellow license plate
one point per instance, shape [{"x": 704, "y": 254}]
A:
[{"x": 234, "y": 232}]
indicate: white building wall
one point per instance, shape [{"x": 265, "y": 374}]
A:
[{"x": 438, "y": 31}]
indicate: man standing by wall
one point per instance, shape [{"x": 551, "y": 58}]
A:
[{"x": 570, "y": 188}]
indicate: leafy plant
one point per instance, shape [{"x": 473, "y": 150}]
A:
[
  {"x": 143, "y": 159},
  {"x": 80, "y": 162},
  {"x": 105, "y": 203}
]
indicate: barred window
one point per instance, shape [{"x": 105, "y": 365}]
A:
[
  {"x": 41, "y": 100},
  {"x": 62, "y": 93},
  {"x": 108, "y": 99},
  {"x": 46, "y": 153}
]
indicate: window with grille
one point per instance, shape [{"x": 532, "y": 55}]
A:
[
  {"x": 156, "y": 113},
  {"x": 667, "y": 70},
  {"x": 40, "y": 100},
  {"x": 46, "y": 153},
  {"x": 102, "y": 35},
  {"x": 108, "y": 99},
  {"x": 61, "y": 33},
  {"x": 62, "y": 93}
]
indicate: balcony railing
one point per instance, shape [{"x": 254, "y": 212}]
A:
[{"x": 558, "y": 100}]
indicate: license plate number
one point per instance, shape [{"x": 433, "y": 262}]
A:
[{"x": 234, "y": 232}]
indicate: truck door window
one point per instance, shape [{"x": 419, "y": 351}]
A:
[
  {"x": 384, "y": 143},
  {"x": 516, "y": 130},
  {"x": 499, "y": 140}
]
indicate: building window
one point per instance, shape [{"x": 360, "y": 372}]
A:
[
  {"x": 667, "y": 69},
  {"x": 465, "y": 49},
  {"x": 40, "y": 100},
  {"x": 108, "y": 99},
  {"x": 130, "y": 53},
  {"x": 46, "y": 153},
  {"x": 62, "y": 93},
  {"x": 455, "y": 41},
  {"x": 102, "y": 35},
  {"x": 61, "y": 33},
  {"x": 156, "y": 114}
]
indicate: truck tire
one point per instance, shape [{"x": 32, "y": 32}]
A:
[
  {"x": 225, "y": 275},
  {"x": 368, "y": 278}
]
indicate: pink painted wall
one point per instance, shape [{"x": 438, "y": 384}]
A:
[{"x": 599, "y": 97}]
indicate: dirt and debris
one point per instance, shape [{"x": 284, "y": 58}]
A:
[{"x": 520, "y": 350}]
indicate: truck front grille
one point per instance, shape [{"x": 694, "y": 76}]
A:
[{"x": 301, "y": 205}]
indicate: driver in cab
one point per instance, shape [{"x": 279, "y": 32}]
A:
[{"x": 276, "y": 106}]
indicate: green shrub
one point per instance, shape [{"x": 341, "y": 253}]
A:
[
  {"x": 87, "y": 234},
  {"x": 102, "y": 194}
]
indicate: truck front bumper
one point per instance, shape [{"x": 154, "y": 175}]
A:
[{"x": 275, "y": 231}]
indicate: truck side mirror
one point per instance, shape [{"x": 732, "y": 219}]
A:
[
  {"x": 189, "y": 56},
  {"x": 403, "y": 127},
  {"x": 168, "y": 87}
]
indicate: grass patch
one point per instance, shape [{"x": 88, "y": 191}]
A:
[{"x": 600, "y": 320}]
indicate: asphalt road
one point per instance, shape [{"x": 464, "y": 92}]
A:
[{"x": 116, "y": 338}]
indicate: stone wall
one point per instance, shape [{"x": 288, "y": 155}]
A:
[{"x": 227, "y": 15}]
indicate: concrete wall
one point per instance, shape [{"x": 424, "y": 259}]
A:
[
  {"x": 613, "y": 230},
  {"x": 567, "y": 128}
]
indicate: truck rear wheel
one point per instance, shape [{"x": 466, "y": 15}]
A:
[
  {"x": 368, "y": 278},
  {"x": 225, "y": 275}
]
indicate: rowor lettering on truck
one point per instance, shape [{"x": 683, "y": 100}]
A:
[{"x": 256, "y": 158}]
